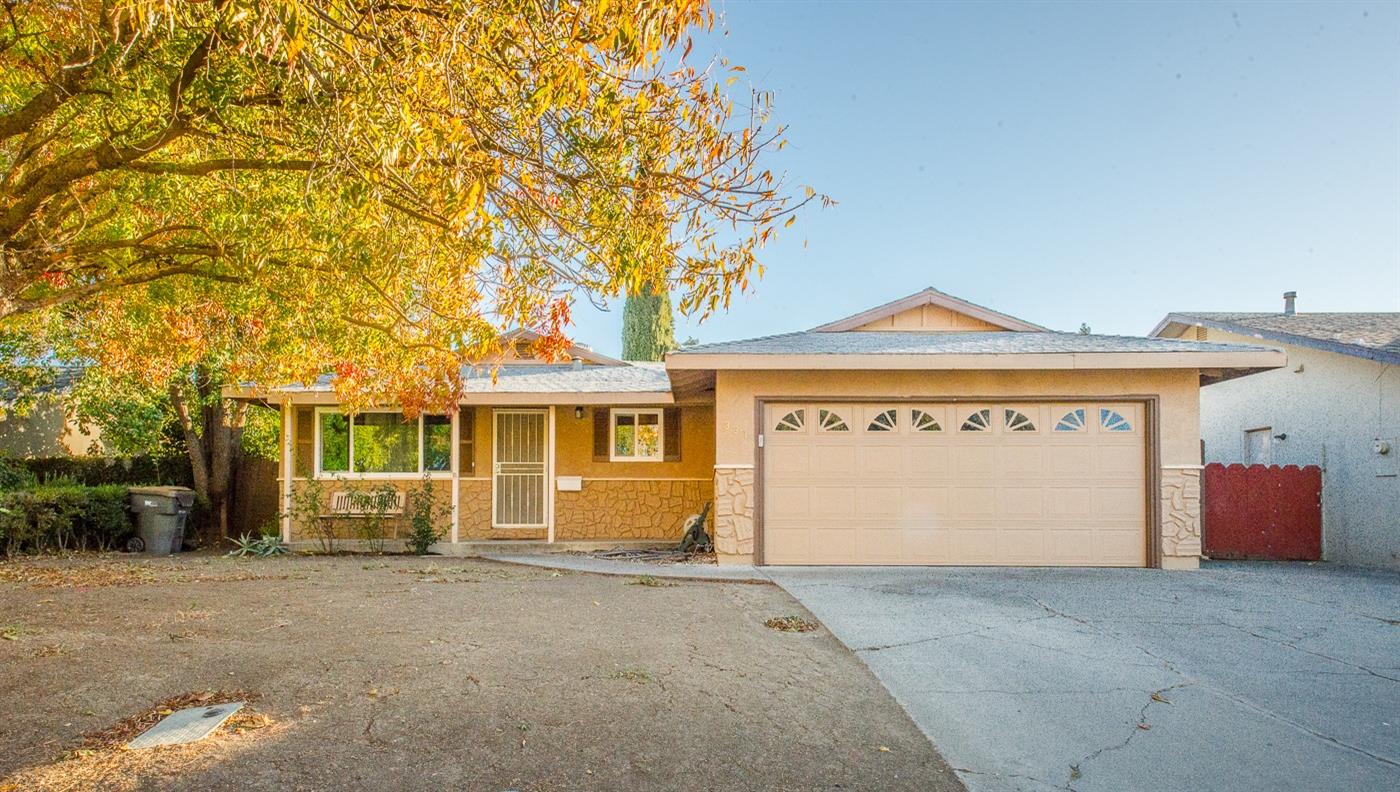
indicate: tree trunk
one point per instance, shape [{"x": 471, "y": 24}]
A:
[{"x": 213, "y": 429}]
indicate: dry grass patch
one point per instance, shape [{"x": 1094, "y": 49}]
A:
[
  {"x": 790, "y": 624},
  {"x": 631, "y": 675},
  {"x": 52, "y": 650},
  {"x": 651, "y": 581},
  {"x": 455, "y": 574},
  {"x": 103, "y": 762}
]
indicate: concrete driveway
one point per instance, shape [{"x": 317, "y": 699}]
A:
[{"x": 1236, "y": 677}]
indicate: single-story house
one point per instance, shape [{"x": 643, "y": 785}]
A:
[
  {"x": 925, "y": 431},
  {"x": 1336, "y": 405}
]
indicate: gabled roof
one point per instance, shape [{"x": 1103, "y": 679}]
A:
[
  {"x": 839, "y": 346},
  {"x": 1373, "y": 336},
  {"x": 929, "y": 296}
]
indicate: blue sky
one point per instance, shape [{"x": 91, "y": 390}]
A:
[{"x": 1073, "y": 162}]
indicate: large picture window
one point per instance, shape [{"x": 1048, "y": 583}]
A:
[
  {"x": 637, "y": 436},
  {"x": 382, "y": 443}
]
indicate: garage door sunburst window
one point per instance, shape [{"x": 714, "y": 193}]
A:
[
  {"x": 1072, "y": 421},
  {"x": 980, "y": 421},
  {"x": 829, "y": 421},
  {"x": 924, "y": 422},
  {"x": 884, "y": 422},
  {"x": 1111, "y": 421},
  {"x": 794, "y": 421},
  {"x": 1017, "y": 421}
]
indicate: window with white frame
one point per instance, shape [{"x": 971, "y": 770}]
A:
[
  {"x": 637, "y": 436},
  {"x": 382, "y": 443}
]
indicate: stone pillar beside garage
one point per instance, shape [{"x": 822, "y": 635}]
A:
[{"x": 1174, "y": 511}]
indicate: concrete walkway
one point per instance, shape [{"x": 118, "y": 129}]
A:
[
  {"x": 741, "y": 573},
  {"x": 1238, "y": 677}
]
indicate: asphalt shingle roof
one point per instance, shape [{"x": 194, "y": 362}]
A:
[
  {"x": 554, "y": 378},
  {"x": 1370, "y": 335},
  {"x": 981, "y": 343},
  {"x": 549, "y": 378}
]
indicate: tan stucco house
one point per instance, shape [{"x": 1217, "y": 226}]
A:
[
  {"x": 925, "y": 431},
  {"x": 49, "y": 427}
]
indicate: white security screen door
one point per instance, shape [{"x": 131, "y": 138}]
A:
[{"x": 521, "y": 452}]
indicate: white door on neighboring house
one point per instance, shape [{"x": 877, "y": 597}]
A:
[
  {"x": 519, "y": 471},
  {"x": 1258, "y": 446}
]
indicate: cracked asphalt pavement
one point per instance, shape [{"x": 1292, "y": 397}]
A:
[{"x": 1237, "y": 677}]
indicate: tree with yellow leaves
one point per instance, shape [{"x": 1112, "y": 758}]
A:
[{"x": 274, "y": 189}]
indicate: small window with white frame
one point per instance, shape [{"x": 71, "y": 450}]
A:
[{"x": 637, "y": 436}]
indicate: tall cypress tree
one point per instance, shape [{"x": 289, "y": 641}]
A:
[{"x": 648, "y": 331}]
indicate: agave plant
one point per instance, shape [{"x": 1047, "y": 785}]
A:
[{"x": 259, "y": 547}]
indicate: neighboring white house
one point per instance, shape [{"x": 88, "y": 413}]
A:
[
  {"x": 1336, "y": 404},
  {"x": 48, "y": 428}
]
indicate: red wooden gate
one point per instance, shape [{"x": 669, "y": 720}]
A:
[{"x": 1263, "y": 512}]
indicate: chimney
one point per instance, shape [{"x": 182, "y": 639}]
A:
[{"x": 1289, "y": 297}]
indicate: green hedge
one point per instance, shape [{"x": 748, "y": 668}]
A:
[
  {"x": 96, "y": 471},
  {"x": 59, "y": 517}
]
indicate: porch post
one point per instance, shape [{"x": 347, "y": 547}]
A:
[
  {"x": 288, "y": 438},
  {"x": 549, "y": 477},
  {"x": 456, "y": 469}
]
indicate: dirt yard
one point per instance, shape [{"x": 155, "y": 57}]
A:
[{"x": 407, "y": 673}]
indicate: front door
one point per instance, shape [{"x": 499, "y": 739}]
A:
[{"x": 521, "y": 451}]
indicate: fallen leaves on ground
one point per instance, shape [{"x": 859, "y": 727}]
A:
[
  {"x": 103, "y": 762},
  {"x": 651, "y": 581},
  {"x": 790, "y": 624},
  {"x": 100, "y": 574},
  {"x": 74, "y": 573},
  {"x": 446, "y": 574}
]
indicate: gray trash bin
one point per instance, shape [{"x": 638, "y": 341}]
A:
[{"x": 161, "y": 513}]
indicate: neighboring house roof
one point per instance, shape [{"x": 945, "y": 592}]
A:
[
  {"x": 581, "y": 351},
  {"x": 1374, "y": 336},
  {"x": 929, "y": 296},
  {"x": 60, "y": 380}
]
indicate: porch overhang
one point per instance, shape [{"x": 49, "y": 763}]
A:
[{"x": 293, "y": 395}]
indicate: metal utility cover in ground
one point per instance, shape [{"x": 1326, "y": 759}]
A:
[{"x": 186, "y": 725}]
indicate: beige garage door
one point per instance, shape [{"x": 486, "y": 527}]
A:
[{"x": 985, "y": 484}]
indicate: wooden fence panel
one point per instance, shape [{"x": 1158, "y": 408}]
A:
[
  {"x": 1262, "y": 512},
  {"x": 256, "y": 500}
]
